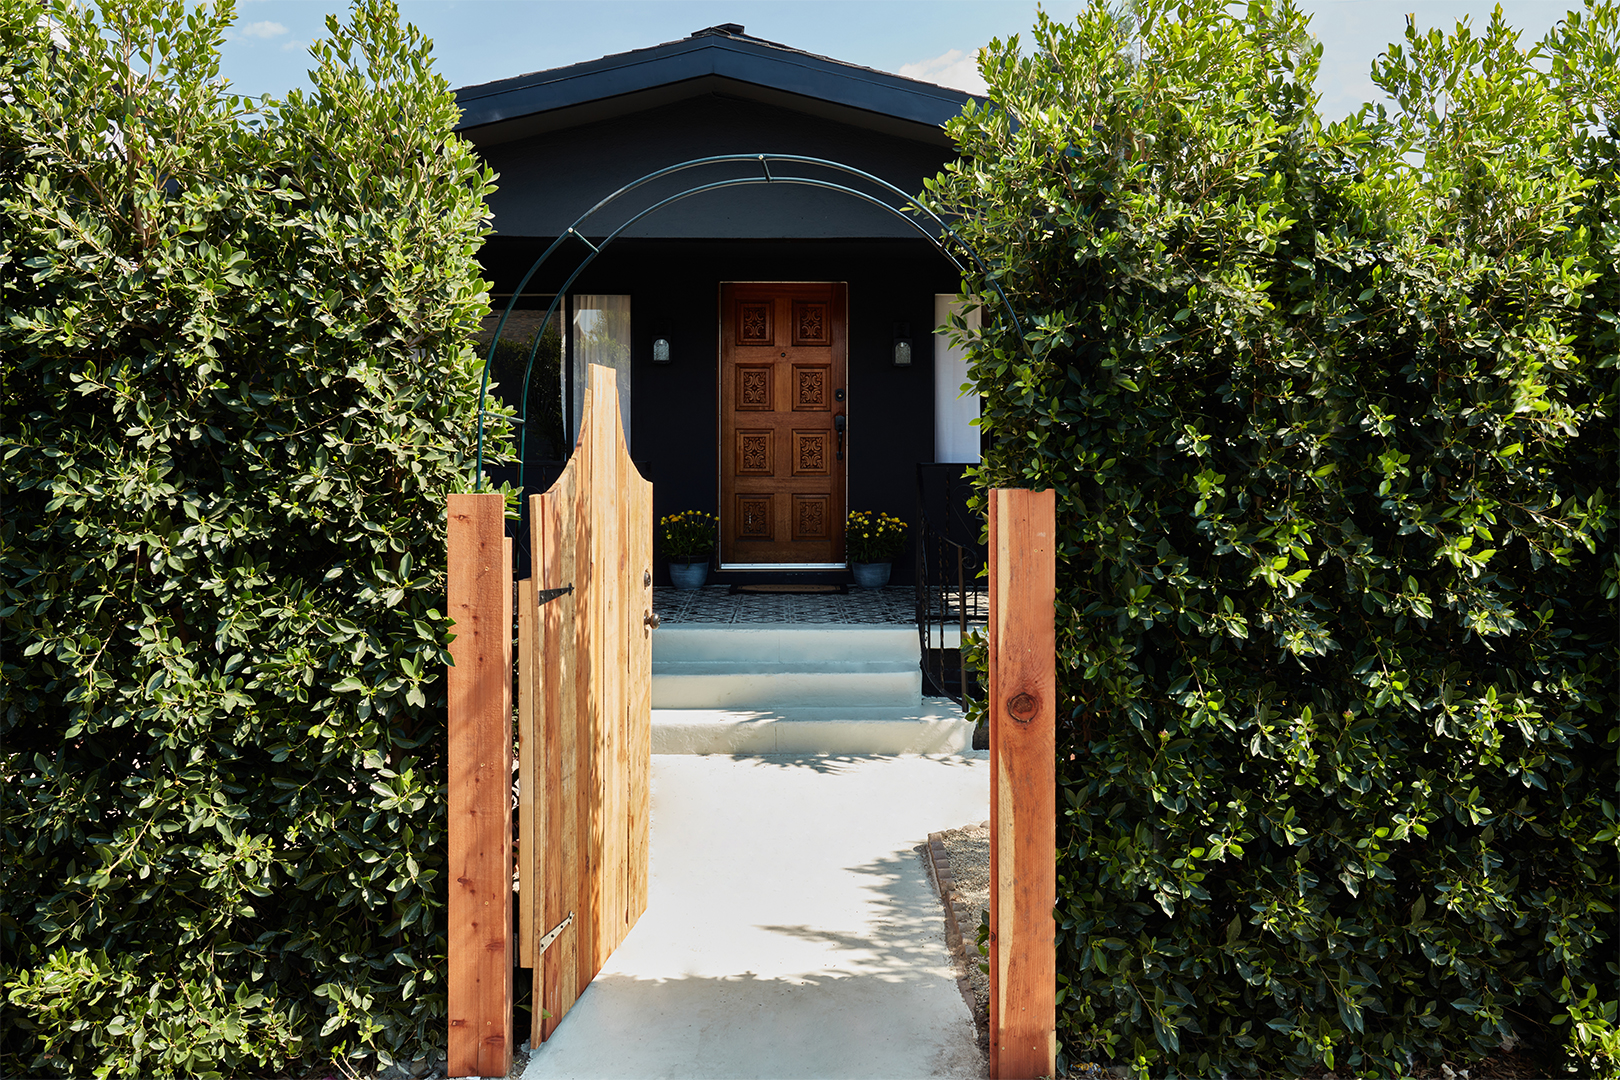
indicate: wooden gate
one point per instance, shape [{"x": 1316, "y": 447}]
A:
[
  {"x": 584, "y": 662},
  {"x": 584, "y": 716},
  {"x": 584, "y": 712}
]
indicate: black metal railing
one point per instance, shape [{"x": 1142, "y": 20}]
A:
[{"x": 951, "y": 598}]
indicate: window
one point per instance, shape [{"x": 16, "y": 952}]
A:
[
  {"x": 955, "y": 437},
  {"x": 601, "y": 336}
]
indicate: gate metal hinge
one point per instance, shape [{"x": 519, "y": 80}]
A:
[
  {"x": 545, "y": 596},
  {"x": 546, "y": 941}
]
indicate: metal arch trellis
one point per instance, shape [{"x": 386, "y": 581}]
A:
[{"x": 767, "y": 177}]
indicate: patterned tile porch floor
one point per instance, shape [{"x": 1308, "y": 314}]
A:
[
  {"x": 716, "y": 604},
  {"x": 894, "y": 605}
]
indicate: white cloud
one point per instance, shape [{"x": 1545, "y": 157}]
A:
[
  {"x": 955, "y": 69},
  {"x": 264, "y": 29}
]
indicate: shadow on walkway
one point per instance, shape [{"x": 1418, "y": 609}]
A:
[{"x": 791, "y": 930}]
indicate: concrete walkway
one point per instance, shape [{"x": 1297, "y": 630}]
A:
[{"x": 791, "y": 930}]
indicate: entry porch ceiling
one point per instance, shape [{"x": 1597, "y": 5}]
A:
[{"x": 710, "y": 62}]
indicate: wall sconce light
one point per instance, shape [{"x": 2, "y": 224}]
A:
[
  {"x": 660, "y": 350},
  {"x": 902, "y": 344}
]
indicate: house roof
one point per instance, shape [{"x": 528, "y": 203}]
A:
[{"x": 717, "y": 60}]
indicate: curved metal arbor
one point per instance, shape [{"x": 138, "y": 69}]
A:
[{"x": 907, "y": 202}]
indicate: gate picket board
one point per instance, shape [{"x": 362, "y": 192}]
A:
[
  {"x": 584, "y": 720},
  {"x": 527, "y": 618}
]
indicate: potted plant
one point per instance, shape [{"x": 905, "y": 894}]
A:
[
  {"x": 872, "y": 541},
  {"x": 688, "y": 540}
]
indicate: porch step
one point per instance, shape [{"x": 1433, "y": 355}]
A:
[
  {"x": 933, "y": 726},
  {"x": 782, "y": 643},
  {"x": 772, "y": 666}
]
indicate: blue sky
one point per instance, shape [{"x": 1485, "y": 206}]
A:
[{"x": 479, "y": 40}]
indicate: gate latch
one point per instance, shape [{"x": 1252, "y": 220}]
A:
[
  {"x": 546, "y": 941},
  {"x": 546, "y": 596}
]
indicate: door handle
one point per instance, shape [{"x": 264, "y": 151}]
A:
[{"x": 838, "y": 424}]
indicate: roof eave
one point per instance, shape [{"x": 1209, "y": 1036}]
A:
[{"x": 613, "y": 85}]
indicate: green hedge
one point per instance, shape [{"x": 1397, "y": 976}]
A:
[
  {"x": 1330, "y": 412},
  {"x": 238, "y": 384}
]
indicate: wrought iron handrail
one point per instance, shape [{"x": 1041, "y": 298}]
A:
[{"x": 946, "y": 567}]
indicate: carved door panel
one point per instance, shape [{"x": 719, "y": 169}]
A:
[{"x": 783, "y": 442}]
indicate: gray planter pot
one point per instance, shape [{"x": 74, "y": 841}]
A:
[
  {"x": 688, "y": 575},
  {"x": 871, "y": 575}
]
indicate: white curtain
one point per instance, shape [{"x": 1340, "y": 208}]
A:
[
  {"x": 601, "y": 336},
  {"x": 955, "y": 437}
]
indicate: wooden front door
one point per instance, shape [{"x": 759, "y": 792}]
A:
[{"x": 783, "y": 443}]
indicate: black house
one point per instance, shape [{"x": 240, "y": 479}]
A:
[{"x": 774, "y": 341}]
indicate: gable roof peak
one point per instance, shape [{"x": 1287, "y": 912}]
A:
[{"x": 723, "y": 59}]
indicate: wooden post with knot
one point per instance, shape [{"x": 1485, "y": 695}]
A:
[{"x": 1023, "y": 784}]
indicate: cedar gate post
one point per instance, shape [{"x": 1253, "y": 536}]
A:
[{"x": 1023, "y": 784}]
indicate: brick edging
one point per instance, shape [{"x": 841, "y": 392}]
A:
[{"x": 956, "y": 915}]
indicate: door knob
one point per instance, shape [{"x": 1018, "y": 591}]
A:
[
  {"x": 652, "y": 620},
  {"x": 838, "y": 424}
]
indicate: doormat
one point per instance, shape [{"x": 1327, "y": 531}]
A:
[{"x": 789, "y": 590}]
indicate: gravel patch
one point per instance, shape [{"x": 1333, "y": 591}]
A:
[
  {"x": 959, "y": 860},
  {"x": 967, "y": 851}
]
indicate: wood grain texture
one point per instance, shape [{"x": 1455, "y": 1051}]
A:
[
  {"x": 529, "y": 850},
  {"x": 496, "y": 1047},
  {"x": 479, "y": 911},
  {"x": 1023, "y": 769},
  {"x": 638, "y": 667},
  {"x": 605, "y": 719},
  {"x": 782, "y": 483},
  {"x": 592, "y": 728},
  {"x": 556, "y": 755}
]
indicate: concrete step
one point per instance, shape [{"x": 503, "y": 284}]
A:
[
  {"x": 777, "y": 666},
  {"x": 716, "y": 685},
  {"x": 934, "y": 726},
  {"x": 778, "y": 643}
]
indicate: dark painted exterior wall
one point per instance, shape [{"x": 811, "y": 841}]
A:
[
  {"x": 547, "y": 181},
  {"x": 563, "y": 140},
  {"x": 674, "y": 288}
]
